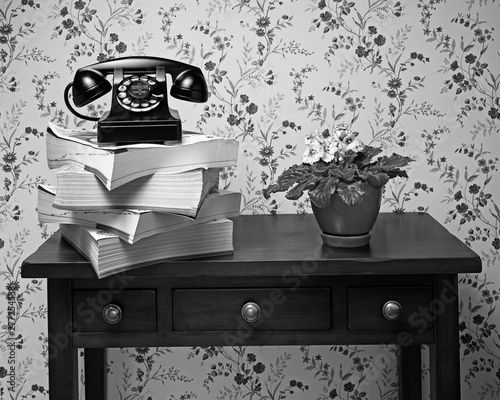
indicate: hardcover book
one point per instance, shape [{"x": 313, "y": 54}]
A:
[
  {"x": 109, "y": 255},
  {"x": 117, "y": 165},
  {"x": 134, "y": 225},
  {"x": 180, "y": 193}
]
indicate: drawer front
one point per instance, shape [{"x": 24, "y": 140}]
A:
[
  {"x": 136, "y": 311},
  {"x": 280, "y": 309},
  {"x": 366, "y": 304}
]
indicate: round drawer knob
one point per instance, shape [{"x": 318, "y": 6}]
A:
[
  {"x": 392, "y": 310},
  {"x": 112, "y": 314},
  {"x": 250, "y": 312}
]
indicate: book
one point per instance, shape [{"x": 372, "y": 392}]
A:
[
  {"x": 180, "y": 193},
  {"x": 134, "y": 225},
  {"x": 117, "y": 165},
  {"x": 109, "y": 255}
]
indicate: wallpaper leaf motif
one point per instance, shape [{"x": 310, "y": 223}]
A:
[
  {"x": 370, "y": 51},
  {"x": 15, "y": 373},
  {"x": 229, "y": 90},
  {"x": 15, "y": 28},
  {"x": 422, "y": 77},
  {"x": 251, "y": 377},
  {"x": 470, "y": 185},
  {"x": 467, "y": 59},
  {"x": 15, "y": 159},
  {"x": 147, "y": 371},
  {"x": 470, "y": 72},
  {"x": 95, "y": 28}
]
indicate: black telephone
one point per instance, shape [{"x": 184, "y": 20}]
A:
[{"x": 139, "y": 108}]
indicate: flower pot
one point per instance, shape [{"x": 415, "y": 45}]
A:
[{"x": 345, "y": 226}]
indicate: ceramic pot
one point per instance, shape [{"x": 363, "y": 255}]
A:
[{"x": 346, "y": 226}]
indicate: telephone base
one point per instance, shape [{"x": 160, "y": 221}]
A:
[{"x": 133, "y": 131}]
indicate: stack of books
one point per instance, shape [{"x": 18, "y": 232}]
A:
[{"x": 125, "y": 207}]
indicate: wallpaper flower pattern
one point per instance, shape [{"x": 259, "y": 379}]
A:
[{"x": 420, "y": 76}]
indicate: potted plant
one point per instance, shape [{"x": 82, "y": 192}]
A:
[{"x": 344, "y": 182}]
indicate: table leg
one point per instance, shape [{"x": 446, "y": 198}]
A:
[
  {"x": 63, "y": 358},
  {"x": 95, "y": 374},
  {"x": 445, "y": 352},
  {"x": 410, "y": 372}
]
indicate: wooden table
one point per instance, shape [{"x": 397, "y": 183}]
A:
[{"x": 281, "y": 287}]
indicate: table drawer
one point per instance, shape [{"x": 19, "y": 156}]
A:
[
  {"x": 366, "y": 305},
  {"x": 126, "y": 311},
  {"x": 280, "y": 309}
]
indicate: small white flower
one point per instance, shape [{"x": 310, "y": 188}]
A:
[
  {"x": 330, "y": 149},
  {"x": 341, "y": 131},
  {"x": 313, "y": 153},
  {"x": 311, "y": 137},
  {"x": 353, "y": 143},
  {"x": 356, "y": 145}
]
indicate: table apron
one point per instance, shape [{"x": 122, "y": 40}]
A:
[{"x": 249, "y": 338}]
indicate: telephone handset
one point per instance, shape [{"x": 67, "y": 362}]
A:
[{"x": 139, "y": 108}]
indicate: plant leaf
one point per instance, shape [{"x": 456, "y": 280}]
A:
[
  {"x": 320, "y": 195},
  {"x": 374, "y": 180},
  {"x": 390, "y": 165},
  {"x": 344, "y": 174},
  {"x": 295, "y": 174},
  {"x": 393, "y": 162},
  {"x": 351, "y": 193},
  {"x": 298, "y": 190},
  {"x": 367, "y": 155}
]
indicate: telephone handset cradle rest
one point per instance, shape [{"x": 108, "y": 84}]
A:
[{"x": 139, "y": 107}]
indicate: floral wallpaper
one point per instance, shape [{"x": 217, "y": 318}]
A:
[{"x": 417, "y": 77}]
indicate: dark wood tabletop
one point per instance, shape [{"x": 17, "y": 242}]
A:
[{"x": 271, "y": 245}]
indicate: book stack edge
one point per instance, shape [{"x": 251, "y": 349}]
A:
[{"x": 120, "y": 218}]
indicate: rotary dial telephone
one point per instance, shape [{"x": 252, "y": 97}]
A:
[{"x": 139, "y": 107}]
